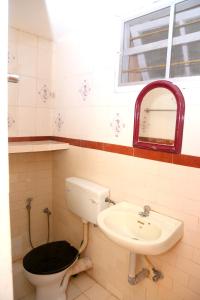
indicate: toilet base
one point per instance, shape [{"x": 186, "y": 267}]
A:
[
  {"x": 50, "y": 292},
  {"x": 48, "y": 286},
  {"x": 54, "y": 286}
]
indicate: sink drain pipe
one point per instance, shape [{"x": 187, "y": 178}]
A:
[
  {"x": 134, "y": 278},
  {"x": 156, "y": 274}
]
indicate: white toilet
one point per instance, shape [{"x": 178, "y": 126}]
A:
[{"x": 49, "y": 266}]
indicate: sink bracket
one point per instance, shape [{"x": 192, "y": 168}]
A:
[
  {"x": 139, "y": 276},
  {"x": 157, "y": 275}
]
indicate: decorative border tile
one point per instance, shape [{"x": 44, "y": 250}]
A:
[
  {"x": 30, "y": 138},
  {"x": 153, "y": 155},
  {"x": 118, "y": 149},
  {"x": 186, "y": 160},
  {"x": 178, "y": 159}
]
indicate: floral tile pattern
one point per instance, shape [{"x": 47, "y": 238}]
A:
[
  {"x": 117, "y": 124},
  {"x": 11, "y": 58},
  {"x": 45, "y": 93},
  {"x": 11, "y": 121},
  {"x": 84, "y": 90},
  {"x": 59, "y": 122}
]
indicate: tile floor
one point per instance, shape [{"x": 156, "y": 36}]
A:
[{"x": 83, "y": 287}]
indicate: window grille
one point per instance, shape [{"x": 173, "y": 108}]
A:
[{"x": 162, "y": 44}]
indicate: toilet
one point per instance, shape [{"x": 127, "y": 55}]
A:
[{"x": 49, "y": 266}]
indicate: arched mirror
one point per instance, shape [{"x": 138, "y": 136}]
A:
[{"x": 159, "y": 116}]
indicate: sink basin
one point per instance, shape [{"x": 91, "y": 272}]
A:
[{"x": 151, "y": 235}]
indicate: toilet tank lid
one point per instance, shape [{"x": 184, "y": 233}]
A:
[{"x": 88, "y": 185}]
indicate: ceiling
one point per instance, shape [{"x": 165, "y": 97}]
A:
[{"x": 51, "y": 18}]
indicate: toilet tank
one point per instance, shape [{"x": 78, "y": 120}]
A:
[{"x": 85, "y": 198}]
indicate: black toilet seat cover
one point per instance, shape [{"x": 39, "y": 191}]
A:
[{"x": 50, "y": 258}]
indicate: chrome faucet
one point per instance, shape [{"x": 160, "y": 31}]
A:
[{"x": 146, "y": 211}]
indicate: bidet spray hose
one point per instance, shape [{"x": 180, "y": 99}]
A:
[{"x": 28, "y": 207}]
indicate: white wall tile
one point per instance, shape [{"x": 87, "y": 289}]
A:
[
  {"x": 27, "y": 121},
  {"x": 27, "y": 52},
  {"x": 80, "y": 55},
  {"x": 43, "y": 121},
  {"x": 27, "y": 60},
  {"x": 27, "y": 91},
  {"x": 191, "y": 142},
  {"x": 13, "y": 59},
  {"x": 30, "y": 57},
  {"x": 13, "y": 93},
  {"x": 44, "y": 62},
  {"x": 13, "y": 35},
  {"x": 13, "y": 121}
]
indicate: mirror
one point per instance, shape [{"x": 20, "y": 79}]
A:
[{"x": 159, "y": 116}]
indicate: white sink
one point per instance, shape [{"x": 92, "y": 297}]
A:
[{"x": 151, "y": 235}]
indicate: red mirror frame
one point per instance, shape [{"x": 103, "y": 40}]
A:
[{"x": 176, "y": 147}]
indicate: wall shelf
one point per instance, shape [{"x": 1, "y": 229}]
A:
[{"x": 36, "y": 146}]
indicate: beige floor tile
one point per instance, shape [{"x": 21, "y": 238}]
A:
[
  {"x": 97, "y": 292},
  {"x": 112, "y": 298},
  {"x": 83, "y": 288},
  {"x": 83, "y": 282},
  {"x": 82, "y": 297},
  {"x": 29, "y": 297},
  {"x": 72, "y": 291}
]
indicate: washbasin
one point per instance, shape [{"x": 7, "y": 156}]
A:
[{"x": 150, "y": 235}]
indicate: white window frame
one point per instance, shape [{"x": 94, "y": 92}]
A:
[{"x": 187, "y": 81}]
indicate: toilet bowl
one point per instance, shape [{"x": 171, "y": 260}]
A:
[
  {"x": 45, "y": 267},
  {"x": 49, "y": 266}
]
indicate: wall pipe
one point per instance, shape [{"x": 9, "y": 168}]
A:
[{"x": 85, "y": 237}]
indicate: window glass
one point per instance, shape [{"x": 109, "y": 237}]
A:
[
  {"x": 145, "y": 47},
  {"x": 185, "y": 56}
]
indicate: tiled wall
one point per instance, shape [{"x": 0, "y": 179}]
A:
[
  {"x": 89, "y": 105},
  {"x": 84, "y": 65},
  {"x": 30, "y": 176},
  {"x": 30, "y": 100},
  {"x": 170, "y": 189}
]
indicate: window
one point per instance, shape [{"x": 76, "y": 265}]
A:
[{"x": 162, "y": 44}]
